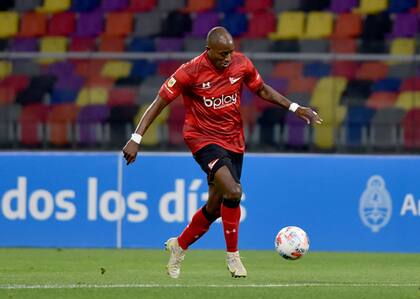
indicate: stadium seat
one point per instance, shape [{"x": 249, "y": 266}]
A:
[
  {"x": 405, "y": 25},
  {"x": 371, "y": 6},
  {"x": 143, "y": 68},
  {"x": 254, "y": 6},
  {"x": 173, "y": 5},
  {"x": 84, "y": 5},
  {"x": 411, "y": 84},
  {"x": 7, "y": 95},
  {"x": 122, "y": 97},
  {"x": 270, "y": 123},
  {"x": 92, "y": 96},
  {"x": 33, "y": 24},
  {"x": 343, "y": 45},
  {"x": 5, "y": 68},
  {"x": 114, "y": 5},
  {"x": 356, "y": 125},
  {"x": 403, "y": 46},
  {"x": 325, "y": 137},
  {"x": 411, "y": 126},
  {"x": 316, "y": 69},
  {"x": 348, "y": 26},
  {"x": 296, "y": 132},
  {"x": 381, "y": 100},
  {"x": 82, "y": 44},
  {"x": 62, "y": 96},
  {"x": 139, "y": 44},
  {"x": 397, "y": 6},
  {"x": 408, "y": 100},
  {"x": 148, "y": 24},
  {"x": 228, "y": 6},
  {"x": 89, "y": 24},
  {"x": 401, "y": 70},
  {"x": 9, "y": 116},
  {"x": 120, "y": 122},
  {"x": 141, "y": 5},
  {"x": 52, "y": 45},
  {"x": 15, "y": 82},
  {"x": 31, "y": 122},
  {"x": 235, "y": 23},
  {"x": 319, "y": 25},
  {"x": 376, "y": 26},
  {"x": 99, "y": 81},
  {"x": 119, "y": 24},
  {"x": 203, "y": 22},
  {"x": 8, "y": 24},
  {"x": 73, "y": 83},
  {"x": 169, "y": 44},
  {"x": 62, "y": 24},
  {"x": 90, "y": 125},
  {"x": 60, "y": 122},
  {"x": 387, "y": 84},
  {"x": 111, "y": 44},
  {"x": 54, "y": 6},
  {"x": 261, "y": 23},
  {"x": 192, "y": 44},
  {"x": 199, "y": 6},
  {"x": 384, "y": 128},
  {"x": 301, "y": 84},
  {"x": 319, "y": 5},
  {"x": 372, "y": 71},
  {"x": 288, "y": 70},
  {"x": 289, "y": 25},
  {"x": 356, "y": 93},
  {"x": 155, "y": 132},
  {"x": 116, "y": 69},
  {"x": 255, "y": 45},
  {"x": 26, "y": 5},
  {"x": 313, "y": 46},
  {"x": 61, "y": 69},
  {"x": 25, "y": 67},
  {"x": 345, "y": 69},
  {"x": 373, "y": 46},
  {"x": 328, "y": 91},
  {"x": 343, "y": 6},
  {"x": 286, "y": 5},
  {"x": 89, "y": 68}
]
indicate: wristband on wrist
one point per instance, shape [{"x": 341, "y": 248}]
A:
[
  {"x": 293, "y": 107},
  {"x": 136, "y": 138}
]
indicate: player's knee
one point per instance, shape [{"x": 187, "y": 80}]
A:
[{"x": 234, "y": 193}]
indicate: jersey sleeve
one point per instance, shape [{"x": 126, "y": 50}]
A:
[
  {"x": 175, "y": 84},
  {"x": 252, "y": 78}
]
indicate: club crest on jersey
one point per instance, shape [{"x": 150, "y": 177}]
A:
[
  {"x": 220, "y": 102},
  {"x": 206, "y": 85},
  {"x": 171, "y": 82}
]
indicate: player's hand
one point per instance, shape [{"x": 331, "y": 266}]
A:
[
  {"x": 308, "y": 115},
  {"x": 130, "y": 151}
]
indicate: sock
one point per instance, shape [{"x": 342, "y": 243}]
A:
[
  {"x": 230, "y": 218},
  {"x": 198, "y": 226}
]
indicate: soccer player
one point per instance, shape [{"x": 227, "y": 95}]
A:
[{"x": 211, "y": 86}]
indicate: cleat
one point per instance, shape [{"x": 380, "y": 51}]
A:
[
  {"x": 177, "y": 254},
  {"x": 234, "y": 264}
]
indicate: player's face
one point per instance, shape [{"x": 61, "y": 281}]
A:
[{"x": 221, "y": 56}]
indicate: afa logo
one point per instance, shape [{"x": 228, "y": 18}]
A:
[{"x": 375, "y": 206}]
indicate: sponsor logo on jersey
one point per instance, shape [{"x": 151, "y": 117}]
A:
[{"x": 220, "y": 102}]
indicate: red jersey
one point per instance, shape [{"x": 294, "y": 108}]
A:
[{"x": 212, "y": 100}]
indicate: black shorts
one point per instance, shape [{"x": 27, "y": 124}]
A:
[{"x": 207, "y": 156}]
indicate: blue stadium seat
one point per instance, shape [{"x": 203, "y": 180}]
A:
[
  {"x": 141, "y": 44},
  {"x": 235, "y": 23},
  {"x": 356, "y": 124},
  {"x": 317, "y": 69},
  {"x": 388, "y": 84}
]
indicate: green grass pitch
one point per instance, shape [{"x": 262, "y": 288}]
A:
[{"x": 136, "y": 273}]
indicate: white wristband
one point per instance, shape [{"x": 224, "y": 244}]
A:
[
  {"x": 136, "y": 138},
  {"x": 293, "y": 107}
]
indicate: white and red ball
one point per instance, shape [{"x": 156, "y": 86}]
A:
[{"x": 291, "y": 242}]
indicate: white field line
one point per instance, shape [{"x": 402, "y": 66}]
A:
[{"x": 140, "y": 286}]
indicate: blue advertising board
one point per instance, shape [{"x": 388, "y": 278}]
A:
[{"x": 343, "y": 202}]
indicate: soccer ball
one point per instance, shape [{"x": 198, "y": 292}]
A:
[{"x": 291, "y": 242}]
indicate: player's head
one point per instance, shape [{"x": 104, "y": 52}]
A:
[{"x": 220, "y": 47}]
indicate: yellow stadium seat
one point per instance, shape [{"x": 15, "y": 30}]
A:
[
  {"x": 92, "y": 96},
  {"x": 403, "y": 46},
  {"x": 371, "y": 6},
  {"x": 54, "y": 6},
  {"x": 290, "y": 25},
  {"x": 116, "y": 69},
  {"x": 325, "y": 134},
  {"x": 5, "y": 68},
  {"x": 408, "y": 100},
  {"x": 53, "y": 45},
  {"x": 319, "y": 25},
  {"x": 328, "y": 91},
  {"x": 153, "y": 134},
  {"x": 9, "y": 23}
]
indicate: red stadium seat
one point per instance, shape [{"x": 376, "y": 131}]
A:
[
  {"x": 372, "y": 71},
  {"x": 381, "y": 100},
  {"x": 82, "y": 44},
  {"x": 122, "y": 97},
  {"x": 252, "y": 5},
  {"x": 348, "y": 26},
  {"x": 33, "y": 24},
  {"x": 346, "y": 69},
  {"x": 261, "y": 23},
  {"x": 62, "y": 24},
  {"x": 343, "y": 45},
  {"x": 119, "y": 24},
  {"x": 198, "y": 6},
  {"x": 141, "y": 5},
  {"x": 16, "y": 82},
  {"x": 288, "y": 70},
  {"x": 32, "y": 119},
  {"x": 7, "y": 95},
  {"x": 411, "y": 125},
  {"x": 411, "y": 84},
  {"x": 301, "y": 84},
  {"x": 112, "y": 44},
  {"x": 60, "y": 120}
]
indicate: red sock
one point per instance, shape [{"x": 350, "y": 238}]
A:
[
  {"x": 230, "y": 219},
  {"x": 198, "y": 226}
]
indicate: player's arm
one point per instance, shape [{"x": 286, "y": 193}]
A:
[
  {"x": 133, "y": 145},
  {"x": 269, "y": 94}
]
